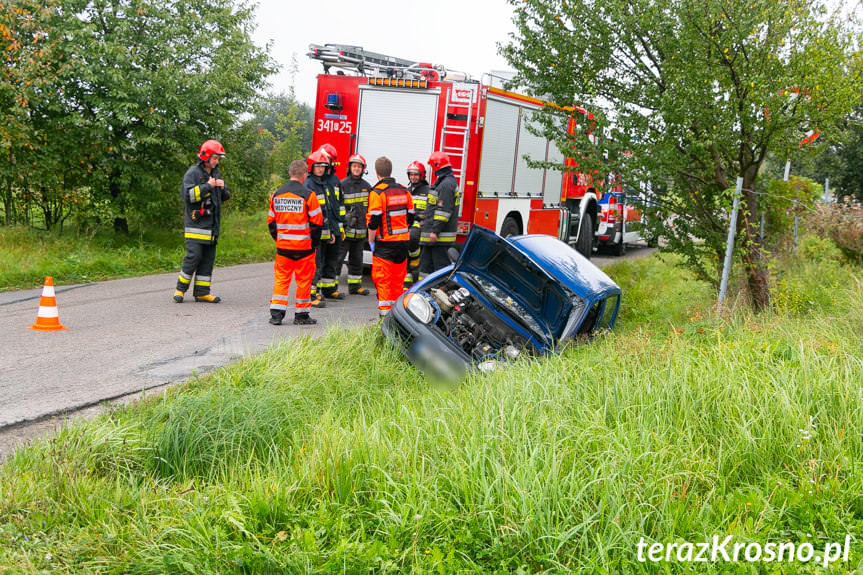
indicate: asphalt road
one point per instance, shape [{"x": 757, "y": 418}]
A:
[{"x": 127, "y": 337}]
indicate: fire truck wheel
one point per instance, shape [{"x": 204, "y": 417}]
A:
[
  {"x": 584, "y": 243},
  {"x": 509, "y": 227}
]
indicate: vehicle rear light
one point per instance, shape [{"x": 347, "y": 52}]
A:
[
  {"x": 463, "y": 228},
  {"x": 604, "y": 237}
]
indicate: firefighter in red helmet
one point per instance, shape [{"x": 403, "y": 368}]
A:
[
  {"x": 323, "y": 181},
  {"x": 295, "y": 222},
  {"x": 203, "y": 192},
  {"x": 390, "y": 215},
  {"x": 356, "y": 193},
  {"x": 441, "y": 217},
  {"x": 419, "y": 189}
]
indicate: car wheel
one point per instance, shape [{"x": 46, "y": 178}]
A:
[
  {"x": 509, "y": 227},
  {"x": 620, "y": 247},
  {"x": 584, "y": 243}
]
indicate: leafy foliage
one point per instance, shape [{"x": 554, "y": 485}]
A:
[
  {"x": 781, "y": 201},
  {"x": 119, "y": 95},
  {"x": 698, "y": 93}
]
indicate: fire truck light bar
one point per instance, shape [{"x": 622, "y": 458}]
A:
[{"x": 398, "y": 82}]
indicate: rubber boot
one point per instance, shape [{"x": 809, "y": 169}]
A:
[
  {"x": 318, "y": 300},
  {"x": 358, "y": 290},
  {"x": 209, "y": 298},
  {"x": 178, "y": 296}
]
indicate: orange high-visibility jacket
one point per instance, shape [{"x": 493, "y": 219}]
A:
[
  {"x": 390, "y": 203},
  {"x": 293, "y": 217}
]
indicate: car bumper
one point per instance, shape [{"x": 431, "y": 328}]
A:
[{"x": 424, "y": 346}]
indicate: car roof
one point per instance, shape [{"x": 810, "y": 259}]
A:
[{"x": 575, "y": 271}]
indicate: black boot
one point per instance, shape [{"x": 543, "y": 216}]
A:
[
  {"x": 358, "y": 290},
  {"x": 276, "y": 317},
  {"x": 304, "y": 319}
]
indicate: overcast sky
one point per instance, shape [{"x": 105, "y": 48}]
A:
[{"x": 462, "y": 35}]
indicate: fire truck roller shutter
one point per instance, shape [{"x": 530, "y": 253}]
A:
[
  {"x": 398, "y": 124},
  {"x": 553, "y": 178},
  {"x": 529, "y": 181},
  {"x": 497, "y": 164}
]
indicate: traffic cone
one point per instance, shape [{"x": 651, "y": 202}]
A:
[{"x": 48, "y": 319}]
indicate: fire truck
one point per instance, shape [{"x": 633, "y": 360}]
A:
[{"x": 378, "y": 105}]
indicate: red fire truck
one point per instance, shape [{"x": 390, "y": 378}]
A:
[{"x": 378, "y": 105}]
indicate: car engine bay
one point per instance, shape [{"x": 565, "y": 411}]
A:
[{"x": 474, "y": 327}]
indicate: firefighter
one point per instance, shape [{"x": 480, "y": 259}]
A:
[
  {"x": 390, "y": 215},
  {"x": 419, "y": 189},
  {"x": 327, "y": 274},
  {"x": 203, "y": 191},
  {"x": 295, "y": 222},
  {"x": 356, "y": 193},
  {"x": 319, "y": 182},
  {"x": 441, "y": 216}
]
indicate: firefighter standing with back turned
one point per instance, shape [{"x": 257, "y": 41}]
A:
[
  {"x": 203, "y": 191},
  {"x": 295, "y": 222},
  {"x": 441, "y": 217},
  {"x": 390, "y": 215},
  {"x": 419, "y": 189},
  {"x": 356, "y": 193}
]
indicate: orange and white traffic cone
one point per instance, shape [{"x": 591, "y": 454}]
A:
[{"x": 48, "y": 319}]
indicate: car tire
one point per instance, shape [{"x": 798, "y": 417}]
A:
[
  {"x": 619, "y": 248},
  {"x": 584, "y": 243},
  {"x": 509, "y": 228}
]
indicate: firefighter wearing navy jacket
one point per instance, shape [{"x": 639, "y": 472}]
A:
[
  {"x": 356, "y": 192},
  {"x": 441, "y": 217},
  {"x": 295, "y": 222},
  {"x": 323, "y": 181},
  {"x": 203, "y": 191},
  {"x": 390, "y": 215},
  {"x": 419, "y": 189}
]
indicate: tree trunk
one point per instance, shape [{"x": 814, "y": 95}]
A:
[{"x": 754, "y": 261}]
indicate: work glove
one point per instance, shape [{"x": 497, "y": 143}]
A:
[
  {"x": 343, "y": 234},
  {"x": 372, "y": 247}
]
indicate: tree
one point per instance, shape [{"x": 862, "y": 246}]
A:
[
  {"x": 151, "y": 80},
  {"x": 697, "y": 92}
]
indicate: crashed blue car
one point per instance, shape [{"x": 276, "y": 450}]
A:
[{"x": 501, "y": 299}]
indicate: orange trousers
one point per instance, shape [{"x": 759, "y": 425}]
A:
[
  {"x": 389, "y": 280},
  {"x": 285, "y": 269}
]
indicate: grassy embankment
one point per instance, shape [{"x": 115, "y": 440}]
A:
[
  {"x": 28, "y": 255},
  {"x": 675, "y": 427}
]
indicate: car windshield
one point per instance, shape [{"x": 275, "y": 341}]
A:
[{"x": 506, "y": 303}]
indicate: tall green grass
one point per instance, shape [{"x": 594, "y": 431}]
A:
[
  {"x": 28, "y": 255},
  {"x": 335, "y": 456}
]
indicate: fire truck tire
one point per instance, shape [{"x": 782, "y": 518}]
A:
[
  {"x": 509, "y": 227},
  {"x": 584, "y": 243},
  {"x": 619, "y": 248}
]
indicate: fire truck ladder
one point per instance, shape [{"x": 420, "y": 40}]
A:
[
  {"x": 455, "y": 136},
  {"x": 356, "y": 59}
]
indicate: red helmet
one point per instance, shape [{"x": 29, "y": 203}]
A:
[
  {"x": 316, "y": 158},
  {"x": 438, "y": 160},
  {"x": 417, "y": 168},
  {"x": 209, "y": 148},
  {"x": 357, "y": 159},
  {"x": 330, "y": 151}
]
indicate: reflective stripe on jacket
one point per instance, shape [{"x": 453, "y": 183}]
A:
[
  {"x": 389, "y": 204},
  {"x": 294, "y": 217},
  {"x": 441, "y": 216},
  {"x": 356, "y": 195},
  {"x": 202, "y": 204}
]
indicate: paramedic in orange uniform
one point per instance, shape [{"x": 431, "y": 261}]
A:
[
  {"x": 295, "y": 222},
  {"x": 389, "y": 218}
]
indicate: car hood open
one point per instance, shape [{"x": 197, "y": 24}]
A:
[{"x": 496, "y": 259}]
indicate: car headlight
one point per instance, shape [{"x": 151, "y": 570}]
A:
[{"x": 419, "y": 307}]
